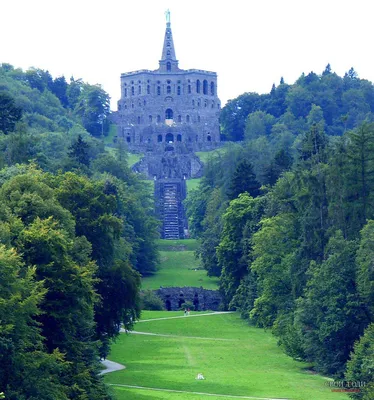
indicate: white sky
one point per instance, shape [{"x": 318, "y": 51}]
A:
[{"x": 249, "y": 43}]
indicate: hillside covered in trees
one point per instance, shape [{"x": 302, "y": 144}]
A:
[
  {"x": 76, "y": 233},
  {"x": 286, "y": 217}
]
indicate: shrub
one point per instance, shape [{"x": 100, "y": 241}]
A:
[{"x": 150, "y": 301}]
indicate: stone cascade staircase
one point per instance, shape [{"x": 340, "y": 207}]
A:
[{"x": 171, "y": 212}]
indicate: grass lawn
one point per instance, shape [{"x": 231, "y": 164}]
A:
[
  {"x": 133, "y": 158},
  {"x": 112, "y": 132},
  {"x": 205, "y": 155},
  {"x": 177, "y": 245},
  {"x": 192, "y": 184},
  {"x": 177, "y": 268},
  {"x": 235, "y": 359}
]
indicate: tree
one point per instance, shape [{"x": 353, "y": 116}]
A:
[
  {"x": 360, "y": 366},
  {"x": 93, "y": 211},
  {"x": 331, "y": 315},
  {"x": 44, "y": 235},
  {"x": 27, "y": 371},
  {"x": 10, "y": 114},
  {"x": 93, "y": 107},
  {"x": 244, "y": 180},
  {"x": 78, "y": 151},
  {"x": 273, "y": 251},
  {"x": 365, "y": 269},
  {"x": 239, "y": 222},
  {"x": 258, "y": 124},
  {"x": 361, "y": 168}
]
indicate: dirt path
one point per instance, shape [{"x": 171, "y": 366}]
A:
[
  {"x": 175, "y": 336},
  {"x": 111, "y": 366},
  {"x": 188, "y": 316}
]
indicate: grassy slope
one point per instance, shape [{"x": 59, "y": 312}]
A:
[
  {"x": 177, "y": 268},
  {"x": 249, "y": 364}
]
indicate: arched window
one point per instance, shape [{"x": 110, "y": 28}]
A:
[
  {"x": 178, "y": 90},
  {"x": 159, "y": 138},
  {"x": 187, "y": 118},
  {"x": 209, "y": 138},
  {"x": 179, "y": 138},
  {"x": 168, "y": 44},
  {"x": 198, "y": 103},
  {"x": 205, "y": 103},
  {"x": 189, "y": 89},
  {"x": 168, "y": 66},
  {"x": 168, "y": 53},
  {"x": 150, "y": 119},
  {"x": 168, "y": 89},
  {"x": 139, "y": 89},
  {"x": 125, "y": 106},
  {"x": 198, "y": 86},
  {"x": 179, "y": 118},
  {"x": 205, "y": 86},
  {"x": 128, "y": 139},
  {"x": 193, "y": 103},
  {"x": 138, "y": 120},
  {"x": 158, "y": 90},
  {"x": 169, "y": 138},
  {"x": 145, "y": 102},
  {"x": 169, "y": 114},
  {"x": 125, "y": 92},
  {"x": 212, "y": 88},
  {"x": 148, "y": 89},
  {"x": 158, "y": 118},
  {"x": 132, "y": 90}
]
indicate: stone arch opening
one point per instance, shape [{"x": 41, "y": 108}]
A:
[
  {"x": 181, "y": 300},
  {"x": 205, "y": 86},
  {"x": 169, "y": 138},
  {"x": 169, "y": 113},
  {"x": 128, "y": 139},
  {"x": 159, "y": 138},
  {"x": 196, "y": 302},
  {"x": 209, "y": 138},
  {"x": 179, "y": 138}
]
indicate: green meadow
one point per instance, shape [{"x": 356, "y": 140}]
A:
[
  {"x": 235, "y": 359},
  {"x": 179, "y": 267}
]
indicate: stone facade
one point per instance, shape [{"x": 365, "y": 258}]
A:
[
  {"x": 169, "y": 105},
  {"x": 202, "y": 299}
]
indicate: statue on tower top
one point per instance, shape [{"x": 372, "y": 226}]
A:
[{"x": 167, "y": 15}]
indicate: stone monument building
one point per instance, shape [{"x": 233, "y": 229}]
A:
[
  {"x": 166, "y": 114},
  {"x": 169, "y": 104}
]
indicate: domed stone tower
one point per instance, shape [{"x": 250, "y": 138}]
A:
[{"x": 169, "y": 105}]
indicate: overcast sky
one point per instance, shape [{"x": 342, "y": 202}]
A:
[{"x": 250, "y": 44}]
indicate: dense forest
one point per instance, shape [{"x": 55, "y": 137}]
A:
[
  {"x": 285, "y": 218},
  {"x": 76, "y": 233}
]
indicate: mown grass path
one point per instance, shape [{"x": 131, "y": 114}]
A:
[{"x": 247, "y": 365}]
